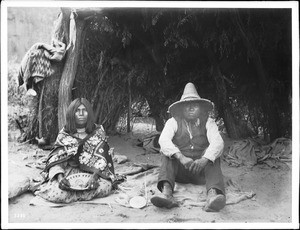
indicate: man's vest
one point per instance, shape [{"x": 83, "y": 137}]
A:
[{"x": 187, "y": 145}]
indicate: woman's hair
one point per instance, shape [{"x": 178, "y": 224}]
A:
[{"x": 70, "y": 125}]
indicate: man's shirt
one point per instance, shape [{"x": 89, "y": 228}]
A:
[{"x": 213, "y": 151}]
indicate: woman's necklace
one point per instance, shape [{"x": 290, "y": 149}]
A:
[{"x": 81, "y": 133}]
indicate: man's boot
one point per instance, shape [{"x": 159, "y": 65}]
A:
[
  {"x": 165, "y": 199},
  {"x": 214, "y": 201}
]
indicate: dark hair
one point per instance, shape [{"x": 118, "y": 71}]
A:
[{"x": 70, "y": 125}]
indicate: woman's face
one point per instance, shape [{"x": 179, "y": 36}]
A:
[
  {"x": 191, "y": 111},
  {"x": 81, "y": 115}
]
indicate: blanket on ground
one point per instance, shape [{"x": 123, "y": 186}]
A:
[
  {"x": 250, "y": 152},
  {"x": 141, "y": 181},
  {"x": 150, "y": 142}
]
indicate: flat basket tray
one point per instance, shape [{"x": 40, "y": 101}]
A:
[{"x": 79, "y": 181}]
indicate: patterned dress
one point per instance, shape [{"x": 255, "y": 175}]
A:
[{"x": 73, "y": 155}]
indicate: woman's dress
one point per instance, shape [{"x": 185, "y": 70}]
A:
[{"x": 73, "y": 155}]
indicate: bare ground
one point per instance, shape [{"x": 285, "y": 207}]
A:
[{"x": 272, "y": 203}]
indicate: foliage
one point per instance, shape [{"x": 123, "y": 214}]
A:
[
  {"x": 15, "y": 93},
  {"x": 19, "y": 112},
  {"x": 238, "y": 58},
  {"x": 174, "y": 48}
]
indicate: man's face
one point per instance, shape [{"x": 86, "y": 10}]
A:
[
  {"x": 191, "y": 111},
  {"x": 81, "y": 115}
]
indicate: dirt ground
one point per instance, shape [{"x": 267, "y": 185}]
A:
[{"x": 272, "y": 203}]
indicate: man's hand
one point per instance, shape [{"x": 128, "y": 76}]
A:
[
  {"x": 197, "y": 166},
  {"x": 185, "y": 161},
  {"x": 64, "y": 184}
]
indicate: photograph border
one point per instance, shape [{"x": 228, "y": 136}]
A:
[{"x": 293, "y": 5}]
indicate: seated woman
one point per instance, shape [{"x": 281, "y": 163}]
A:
[{"x": 81, "y": 146}]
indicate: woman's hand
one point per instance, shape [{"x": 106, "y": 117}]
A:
[
  {"x": 64, "y": 184},
  {"x": 93, "y": 182}
]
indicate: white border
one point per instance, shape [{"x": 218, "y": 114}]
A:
[
  {"x": 295, "y": 115},
  {"x": 4, "y": 118},
  {"x": 155, "y": 4},
  {"x": 138, "y": 4}
]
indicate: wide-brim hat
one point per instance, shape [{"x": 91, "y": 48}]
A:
[{"x": 190, "y": 95}]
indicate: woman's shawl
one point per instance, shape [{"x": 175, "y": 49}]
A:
[{"x": 92, "y": 154}]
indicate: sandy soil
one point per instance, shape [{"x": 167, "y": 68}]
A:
[{"x": 273, "y": 200}]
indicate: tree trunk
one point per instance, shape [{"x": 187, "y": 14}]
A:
[
  {"x": 44, "y": 122},
  {"x": 68, "y": 75},
  {"x": 129, "y": 106},
  {"x": 50, "y": 114},
  {"x": 40, "y": 112},
  {"x": 224, "y": 108},
  {"x": 61, "y": 29},
  {"x": 159, "y": 123},
  {"x": 156, "y": 114}
]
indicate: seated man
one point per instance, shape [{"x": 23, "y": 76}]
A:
[{"x": 191, "y": 146}]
